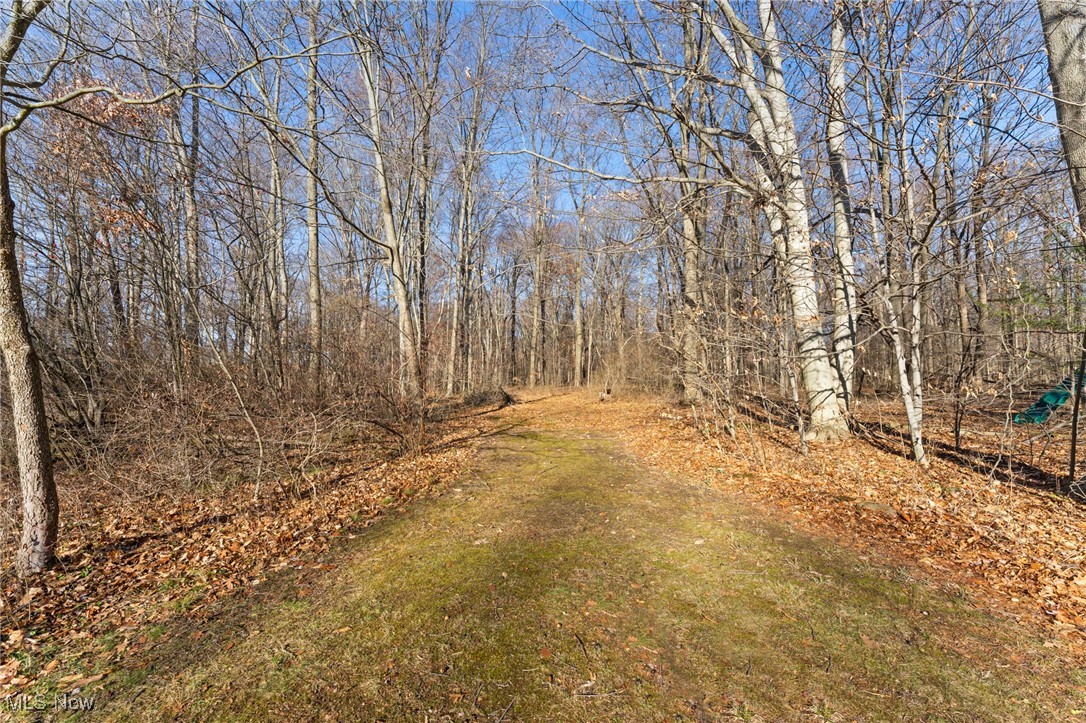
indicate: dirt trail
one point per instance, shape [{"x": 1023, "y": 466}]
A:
[{"x": 560, "y": 580}]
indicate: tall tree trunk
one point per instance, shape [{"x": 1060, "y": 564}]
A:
[
  {"x": 1064, "y": 25},
  {"x": 116, "y": 295},
  {"x": 461, "y": 292},
  {"x": 945, "y": 153},
  {"x": 514, "y": 275},
  {"x": 772, "y": 135},
  {"x": 192, "y": 234},
  {"x": 693, "y": 309},
  {"x": 844, "y": 290},
  {"x": 909, "y": 393},
  {"x": 277, "y": 268},
  {"x": 454, "y": 332},
  {"x": 981, "y": 211},
  {"x": 187, "y": 159},
  {"x": 792, "y": 241},
  {"x": 578, "y": 327},
  {"x": 188, "y": 270},
  {"x": 692, "y": 207},
  {"x": 41, "y": 509},
  {"x": 462, "y": 303},
  {"x": 316, "y": 315},
  {"x": 536, "y": 362},
  {"x": 392, "y": 242},
  {"x": 917, "y": 259}
]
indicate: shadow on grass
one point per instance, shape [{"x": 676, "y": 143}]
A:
[
  {"x": 600, "y": 593},
  {"x": 499, "y": 431}
]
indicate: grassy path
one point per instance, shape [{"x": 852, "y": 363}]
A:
[{"x": 561, "y": 581}]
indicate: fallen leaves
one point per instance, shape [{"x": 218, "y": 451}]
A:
[
  {"x": 8, "y": 670},
  {"x": 132, "y": 567},
  {"x": 955, "y": 519},
  {"x": 77, "y": 682}
]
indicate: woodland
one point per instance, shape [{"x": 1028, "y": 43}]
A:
[{"x": 263, "y": 263}]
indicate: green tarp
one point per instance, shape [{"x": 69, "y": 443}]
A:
[{"x": 1052, "y": 400}]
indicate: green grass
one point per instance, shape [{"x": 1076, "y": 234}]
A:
[
  {"x": 184, "y": 603},
  {"x": 563, "y": 582}
]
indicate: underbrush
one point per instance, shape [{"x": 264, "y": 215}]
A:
[
  {"x": 490, "y": 397},
  {"x": 178, "y": 500}
]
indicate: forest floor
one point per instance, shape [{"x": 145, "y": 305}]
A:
[{"x": 591, "y": 564}]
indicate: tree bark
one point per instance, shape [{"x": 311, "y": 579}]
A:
[
  {"x": 693, "y": 381},
  {"x": 316, "y": 314},
  {"x": 41, "y": 509},
  {"x": 458, "y": 341},
  {"x": 773, "y": 138},
  {"x": 392, "y": 242},
  {"x": 844, "y": 290},
  {"x": 186, "y": 159},
  {"x": 1064, "y": 25},
  {"x": 536, "y": 363},
  {"x": 578, "y": 327},
  {"x": 514, "y": 275}
]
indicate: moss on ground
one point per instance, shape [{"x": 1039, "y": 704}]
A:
[{"x": 560, "y": 581}]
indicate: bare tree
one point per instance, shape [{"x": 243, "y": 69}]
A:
[
  {"x": 844, "y": 290},
  {"x": 364, "y": 23},
  {"x": 759, "y": 67},
  {"x": 41, "y": 510},
  {"x": 1064, "y": 24},
  {"x": 316, "y": 315}
]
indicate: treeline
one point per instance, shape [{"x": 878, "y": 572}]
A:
[{"x": 270, "y": 210}]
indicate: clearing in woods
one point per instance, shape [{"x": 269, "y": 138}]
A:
[{"x": 562, "y": 580}]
